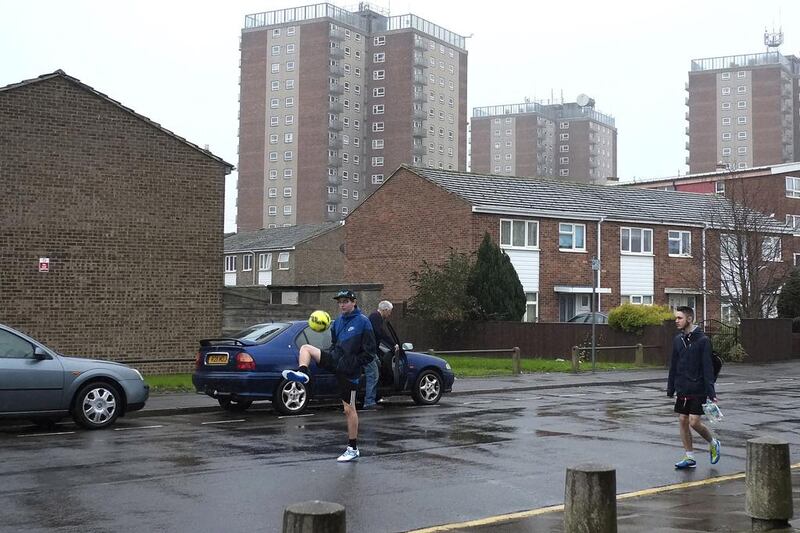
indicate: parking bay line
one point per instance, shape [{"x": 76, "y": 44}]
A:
[
  {"x": 222, "y": 422},
  {"x": 47, "y": 434},
  {"x": 295, "y": 416},
  {"x": 138, "y": 427}
]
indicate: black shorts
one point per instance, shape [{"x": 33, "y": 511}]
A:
[
  {"x": 347, "y": 388},
  {"x": 689, "y": 405}
]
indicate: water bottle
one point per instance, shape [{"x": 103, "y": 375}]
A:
[{"x": 712, "y": 411}]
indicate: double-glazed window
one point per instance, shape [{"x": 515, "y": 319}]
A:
[
  {"x": 519, "y": 233},
  {"x": 680, "y": 243},
  {"x": 572, "y": 237},
  {"x": 230, "y": 263},
  {"x": 636, "y": 240}
]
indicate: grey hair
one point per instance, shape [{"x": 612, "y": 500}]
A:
[{"x": 385, "y": 305}]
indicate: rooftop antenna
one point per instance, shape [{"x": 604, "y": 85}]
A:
[{"x": 773, "y": 39}]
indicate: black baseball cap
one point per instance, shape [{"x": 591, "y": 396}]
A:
[{"x": 345, "y": 293}]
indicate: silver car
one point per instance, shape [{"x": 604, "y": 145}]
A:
[{"x": 43, "y": 385}]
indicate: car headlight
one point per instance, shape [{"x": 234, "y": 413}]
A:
[
  {"x": 447, "y": 366},
  {"x": 139, "y": 374}
]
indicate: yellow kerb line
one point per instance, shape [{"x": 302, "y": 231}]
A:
[{"x": 557, "y": 508}]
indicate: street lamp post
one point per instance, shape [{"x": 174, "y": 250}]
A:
[{"x": 595, "y": 270}]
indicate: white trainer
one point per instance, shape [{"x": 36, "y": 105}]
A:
[{"x": 349, "y": 454}]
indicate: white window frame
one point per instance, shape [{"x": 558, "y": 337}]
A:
[
  {"x": 571, "y": 229},
  {"x": 283, "y": 261},
  {"x": 793, "y": 221},
  {"x": 792, "y": 187},
  {"x": 676, "y": 237},
  {"x": 639, "y": 299},
  {"x": 719, "y": 187},
  {"x": 531, "y": 300},
  {"x": 264, "y": 262},
  {"x": 379, "y": 40},
  {"x": 379, "y": 57},
  {"x": 230, "y": 263},
  {"x": 247, "y": 262},
  {"x": 645, "y": 238},
  {"x": 530, "y": 237}
]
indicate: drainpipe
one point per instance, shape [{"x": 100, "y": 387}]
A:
[
  {"x": 705, "y": 292},
  {"x": 601, "y": 263}
]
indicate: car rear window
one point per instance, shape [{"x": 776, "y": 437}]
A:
[{"x": 261, "y": 333}]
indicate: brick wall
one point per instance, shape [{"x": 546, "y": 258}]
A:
[
  {"x": 130, "y": 217},
  {"x": 321, "y": 259}
]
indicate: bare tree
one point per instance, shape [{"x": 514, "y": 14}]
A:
[{"x": 743, "y": 253}]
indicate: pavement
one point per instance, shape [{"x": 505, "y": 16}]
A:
[{"x": 713, "y": 504}]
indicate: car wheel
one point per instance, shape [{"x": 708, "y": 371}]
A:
[
  {"x": 97, "y": 405},
  {"x": 290, "y": 398},
  {"x": 238, "y": 406},
  {"x": 428, "y": 388}
]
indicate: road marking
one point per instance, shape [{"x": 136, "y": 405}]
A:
[
  {"x": 614, "y": 392},
  {"x": 476, "y": 402},
  {"x": 295, "y": 416},
  {"x": 222, "y": 422},
  {"x": 47, "y": 434},
  {"x": 138, "y": 427},
  {"x": 756, "y": 381},
  {"x": 785, "y": 379},
  {"x": 572, "y": 395},
  {"x": 491, "y": 520}
]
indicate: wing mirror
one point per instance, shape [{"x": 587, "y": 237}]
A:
[
  {"x": 40, "y": 354},
  {"x": 407, "y": 346}
]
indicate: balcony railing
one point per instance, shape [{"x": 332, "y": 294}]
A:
[
  {"x": 336, "y": 89},
  {"x": 334, "y": 161},
  {"x": 419, "y": 61},
  {"x": 335, "y": 107},
  {"x": 419, "y": 149},
  {"x": 337, "y": 34},
  {"x": 335, "y": 143},
  {"x": 419, "y": 132},
  {"x": 334, "y": 179}
]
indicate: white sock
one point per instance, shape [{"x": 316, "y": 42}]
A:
[{"x": 690, "y": 455}]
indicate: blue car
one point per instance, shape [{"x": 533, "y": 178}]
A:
[{"x": 247, "y": 367}]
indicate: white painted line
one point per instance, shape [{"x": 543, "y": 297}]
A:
[
  {"x": 757, "y": 381},
  {"x": 476, "y": 402},
  {"x": 572, "y": 395},
  {"x": 222, "y": 422},
  {"x": 785, "y": 379},
  {"x": 614, "y": 392},
  {"x": 47, "y": 434},
  {"x": 296, "y": 416},
  {"x": 531, "y": 398},
  {"x": 139, "y": 427}
]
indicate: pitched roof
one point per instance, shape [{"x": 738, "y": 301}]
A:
[
  {"x": 568, "y": 199},
  {"x": 273, "y": 239},
  {"x": 61, "y": 74}
]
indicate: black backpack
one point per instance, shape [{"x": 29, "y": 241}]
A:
[{"x": 716, "y": 362}]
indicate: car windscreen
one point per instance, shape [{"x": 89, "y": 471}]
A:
[{"x": 261, "y": 333}]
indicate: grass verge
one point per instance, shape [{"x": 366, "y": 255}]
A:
[{"x": 170, "y": 382}]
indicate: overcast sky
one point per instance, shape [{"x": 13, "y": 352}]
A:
[{"x": 177, "y": 62}]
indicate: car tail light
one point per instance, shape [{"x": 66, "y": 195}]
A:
[
  {"x": 244, "y": 361},
  {"x": 198, "y": 360}
]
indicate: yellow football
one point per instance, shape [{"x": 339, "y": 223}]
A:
[{"x": 319, "y": 321}]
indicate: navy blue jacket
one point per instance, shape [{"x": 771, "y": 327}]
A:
[
  {"x": 352, "y": 343},
  {"x": 378, "y": 327},
  {"x": 691, "y": 372}
]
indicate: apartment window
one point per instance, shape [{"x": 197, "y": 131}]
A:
[
  {"x": 726, "y": 91},
  {"x": 287, "y": 173},
  {"x": 289, "y": 102},
  {"x": 283, "y": 261},
  {"x": 679, "y": 243},
  {"x": 741, "y": 74},
  {"x": 377, "y": 144},
  {"x": 378, "y": 92},
  {"x": 564, "y": 125},
  {"x": 273, "y": 139},
  {"x": 563, "y": 136},
  {"x": 290, "y": 48},
  {"x": 230, "y": 263},
  {"x": 741, "y": 135},
  {"x": 741, "y": 120},
  {"x": 355, "y": 195},
  {"x": 378, "y": 74},
  {"x": 726, "y": 121},
  {"x": 275, "y": 68},
  {"x": 771, "y": 248},
  {"x": 357, "y": 72},
  {"x": 741, "y": 104},
  {"x": 272, "y": 210},
  {"x": 287, "y": 210},
  {"x": 247, "y": 262},
  {"x": 274, "y": 103},
  {"x": 331, "y": 208},
  {"x": 726, "y": 136},
  {"x": 741, "y": 89},
  {"x": 377, "y": 109},
  {"x": 563, "y": 148},
  {"x": 793, "y": 221},
  {"x": 273, "y": 156},
  {"x": 345, "y": 210},
  {"x": 275, "y": 85},
  {"x": 273, "y": 174},
  {"x": 347, "y": 50},
  {"x": 719, "y": 187},
  {"x": 742, "y": 150},
  {"x": 726, "y": 105},
  {"x": 378, "y": 57},
  {"x": 276, "y": 49},
  {"x": 377, "y": 179},
  {"x": 741, "y": 164},
  {"x": 636, "y": 240},
  {"x": 289, "y": 84},
  {"x": 287, "y": 192},
  {"x": 288, "y": 138},
  {"x": 345, "y": 193},
  {"x": 276, "y": 32},
  {"x": 564, "y": 172},
  {"x": 287, "y": 155},
  {"x": 795, "y": 260},
  {"x": 563, "y": 160},
  {"x": 272, "y": 192},
  {"x": 347, "y": 68},
  {"x": 726, "y": 75},
  {"x": 519, "y": 233},
  {"x": 379, "y": 40},
  {"x": 572, "y": 237},
  {"x": 290, "y": 30},
  {"x": 289, "y": 66},
  {"x": 289, "y": 120},
  {"x": 377, "y": 161}
]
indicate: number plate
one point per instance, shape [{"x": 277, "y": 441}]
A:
[{"x": 217, "y": 359}]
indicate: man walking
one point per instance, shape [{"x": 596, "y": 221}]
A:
[
  {"x": 691, "y": 377},
  {"x": 352, "y": 347},
  {"x": 371, "y": 371}
]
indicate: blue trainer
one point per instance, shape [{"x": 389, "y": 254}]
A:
[
  {"x": 713, "y": 449},
  {"x": 295, "y": 375},
  {"x": 686, "y": 462}
]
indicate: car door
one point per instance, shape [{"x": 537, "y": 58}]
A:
[
  {"x": 399, "y": 361},
  {"x": 28, "y": 382}
]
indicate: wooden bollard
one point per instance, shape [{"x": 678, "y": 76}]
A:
[
  {"x": 314, "y": 517},
  {"x": 575, "y": 360},
  {"x": 768, "y": 483},
  {"x": 590, "y": 499},
  {"x": 516, "y": 365},
  {"x": 639, "y": 357}
]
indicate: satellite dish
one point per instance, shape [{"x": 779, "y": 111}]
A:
[{"x": 584, "y": 101}]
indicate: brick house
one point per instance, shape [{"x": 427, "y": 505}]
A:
[
  {"x": 649, "y": 245},
  {"x": 128, "y": 215},
  {"x": 293, "y": 255}
]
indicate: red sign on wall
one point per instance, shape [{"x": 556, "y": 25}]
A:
[{"x": 44, "y": 264}]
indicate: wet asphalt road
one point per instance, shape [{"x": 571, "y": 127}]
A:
[{"x": 469, "y": 457}]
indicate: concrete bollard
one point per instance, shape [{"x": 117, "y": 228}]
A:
[
  {"x": 590, "y": 499},
  {"x": 575, "y": 359},
  {"x": 768, "y": 482},
  {"x": 639, "y": 357},
  {"x": 314, "y": 517},
  {"x": 516, "y": 365}
]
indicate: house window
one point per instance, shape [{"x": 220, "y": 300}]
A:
[
  {"x": 741, "y": 120},
  {"x": 796, "y": 259},
  {"x": 792, "y": 187},
  {"x": 742, "y": 150},
  {"x": 564, "y": 172},
  {"x": 641, "y": 299},
  {"x": 379, "y": 57},
  {"x": 273, "y": 103},
  {"x": 741, "y": 135},
  {"x": 247, "y": 262},
  {"x": 636, "y": 240},
  {"x": 726, "y": 136},
  {"x": 290, "y": 48},
  {"x": 572, "y": 237},
  {"x": 741, "y": 89},
  {"x": 377, "y": 179},
  {"x": 275, "y": 85},
  {"x": 719, "y": 187},
  {"x": 726, "y": 151},
  {"x": 355, "y": 195},
  {"x": 793, "y": 221},
  {"x": 230, "y": 263},
  {"x": 563, "y": 136},
  {"x": 564, "y": 160},
  {"x": 265, "y": 262},
  {"x": 679, "y": 243},
  {"x": 531, "y": 307},
  {"x": 741, "y": 74},
  {"x": 288, "y": 138},
  {"x": 283, "y": 261},
  {"x": 275, "y": 68},
  {"x": 345, "y": 210},
  {"x": 276, "y": 49},
  {"x": 273, "y": 173},
  {"x": 741, "y": 104},
  {"x": 273, "y": 156},
  {"x": 771, "y": 248},
  {"x": 289, "y": 102},
  {"x": 519, "y": 233},
  {"x": 289, "y": 66},
  {"x": 377, "y": 144}
]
